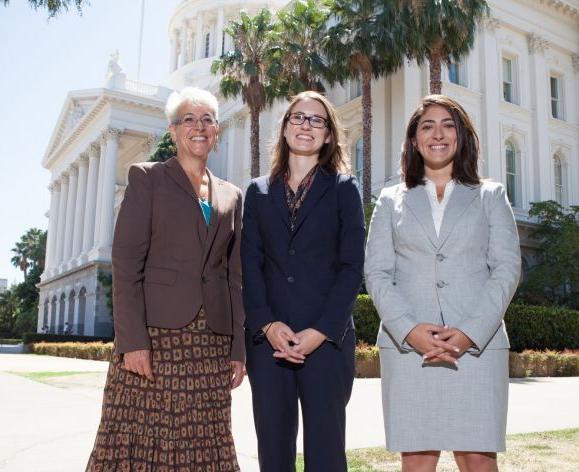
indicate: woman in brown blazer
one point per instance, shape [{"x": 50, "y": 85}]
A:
[{"x": 178, "y": 312}]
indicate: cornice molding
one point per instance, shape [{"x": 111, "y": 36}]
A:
[{"x": 537, "y": 44}]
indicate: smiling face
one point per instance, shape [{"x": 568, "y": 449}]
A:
[
  {"x": 305, "y": 140},
  {"x": 436, "y": 139},
  {"x": 193, "y": 136}
]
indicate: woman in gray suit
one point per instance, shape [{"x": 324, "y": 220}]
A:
[{"x": 442, "y": 264}]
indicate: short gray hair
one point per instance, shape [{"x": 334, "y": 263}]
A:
[{"x": 194, "y": 96}]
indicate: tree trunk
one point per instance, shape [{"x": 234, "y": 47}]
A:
[
  {"x": 434, "y": 58},
  {"x": 254, "y": 140},
  {"x": 367, "y": 137}
]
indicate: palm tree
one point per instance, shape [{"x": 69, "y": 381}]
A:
[
  {"x": 302, "y": 29},
  {"x": 54, "y": 7},
  {"x": 30, "y": 251},
  {"x": 366, "y": 42},
  {"x": 441, "y": 30},
  {"x": 246, "y": 70}
]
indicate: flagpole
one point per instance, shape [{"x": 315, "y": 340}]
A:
[{"x": 141, "y": 39}]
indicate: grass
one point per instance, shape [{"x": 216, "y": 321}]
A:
[
  {"x": 533, "y": 452},
  {"x": 44, "y": 376}
]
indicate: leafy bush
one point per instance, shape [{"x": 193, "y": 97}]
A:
[
  {"x": 10, "y": 341},
  {"x": 529, "y": 327},
  {"x": 62, "y": 338},
  {"x": 544, "y": 364},
  {"x": 539, "y": 327},
  {"x": 96, "y": 351}
]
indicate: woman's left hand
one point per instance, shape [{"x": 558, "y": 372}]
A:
[
  {"x": 237, "y": 373},
  {"x": 451, "y": 336}
]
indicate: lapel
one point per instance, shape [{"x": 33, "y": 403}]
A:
[
  {"x": 216, "y": 217},
  {"x": 320, "y": 185},
  {"x": 277, "y": 195},
  {"x": 417, "y": 201},
  {"x": 461, "y": 198}
]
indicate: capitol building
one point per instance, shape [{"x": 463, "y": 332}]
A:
[{"x": 519, "y": 84}]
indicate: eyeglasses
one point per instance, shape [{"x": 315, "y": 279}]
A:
[
  {"x": 315, "y": 121},
  {"x": 191, "y": 121}
]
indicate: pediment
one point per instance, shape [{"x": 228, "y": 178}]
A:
[{"x": 73, "y": 110}]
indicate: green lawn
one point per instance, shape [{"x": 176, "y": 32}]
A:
[
  {"x": 553, "y": 451},
  {"x": 44, "y": 376}
]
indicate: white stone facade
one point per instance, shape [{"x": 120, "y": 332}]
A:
[{"x": 519, "y": 85}]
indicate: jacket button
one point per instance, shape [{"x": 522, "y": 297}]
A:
[
  {"x": 291, "y": 280},
  {"x": 292, "y": 252},
  {"x": 440, "y": 257},
  {"x": 441, "y": 284},
  {"x": 203, "y": 279}
]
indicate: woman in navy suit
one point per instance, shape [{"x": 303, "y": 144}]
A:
[{"x": 302, "y": 255}]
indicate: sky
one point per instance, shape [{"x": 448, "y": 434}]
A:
[{"x": 41, "y": 60}]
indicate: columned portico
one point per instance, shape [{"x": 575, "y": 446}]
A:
[
  {"x": 61, "y": 220},
  {"x": 108, "y": 188},
  {"x": 91, "y": 196},
  {"x": 52, "y": 225},
  {"x": 97, "y": 222},
  {"x": 70, "y": 210},
  {"x": 80, "y": 205},
  {"x": 199, "y": 36}
]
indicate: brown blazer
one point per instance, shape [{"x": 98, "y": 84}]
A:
[{"x": 167, "y": 263}]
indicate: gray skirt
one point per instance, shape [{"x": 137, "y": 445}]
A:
[{"x": 442, "y": 407}]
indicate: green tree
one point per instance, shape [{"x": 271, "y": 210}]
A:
[
  {"x": 555, "y": 279},
  {"x": 366, "y": 42},
  {"x": 246, "y": 70},
  {"x": 302, "y": 29},
  {"x": 54, "y": 7},
  {"x": 30, "y": 250},
  {"x": 441, "y": 30},
  {"x": 165, "y": 149},
  {"x": 8, "y": 313}
]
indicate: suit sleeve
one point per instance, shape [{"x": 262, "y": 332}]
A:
[
  {"x": 338, "y": 305},
  {"x": 257, "y": 308},
  {"x": 235, "y": 290},
  {"x": 395, "y": 312},
  {"x": 130, "y": 247},
  {"x": 504, "y": 262}
]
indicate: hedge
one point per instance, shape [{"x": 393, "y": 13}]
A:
[
  {"x": 96, "y": 351},
  {"x": 529, "y": 327},
  {"x": 29, "y": 338}
]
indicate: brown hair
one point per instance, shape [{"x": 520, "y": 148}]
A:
[
  {"x": 333, "y": 155},
  {"x": 465, "y": 161}
]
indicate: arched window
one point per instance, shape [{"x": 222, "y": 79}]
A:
[
  {"x": 359, "y": 169},
  {"x": 70, "y": 317},
  {"x": 207, "y": 44},
  {"x": 560, "y": 178},
  {"x": 52, "y": 328},
  {"x": 513, "y": 174},
  {"x": 60, "y": 325},
  {"x": 81, "y": 311}
]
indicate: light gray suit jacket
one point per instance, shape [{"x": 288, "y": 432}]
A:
[{"x": 464, "y": 278}]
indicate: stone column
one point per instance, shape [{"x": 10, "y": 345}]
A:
[
  {"x": 52, "y": 226},
  {"x": 490, "y": 83},
  {"x": 174, "y": 38},
  {"x": 100, "y": 180},
  {"x": 184, "y": 50},
  {"x": 108, "y": 188},
  {"x": 80, "y": 204},
  {"x": 218, "y": 41},
  {"x": 91, "y": 195},
  {"x": 70, "y": 207},
  {"x": 540, "y": 87},
  {"x": 61, "y": 220},
  {"x": 199, "y": 43}
]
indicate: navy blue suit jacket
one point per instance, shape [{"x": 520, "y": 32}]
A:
[{"x": 308, "y": 278}]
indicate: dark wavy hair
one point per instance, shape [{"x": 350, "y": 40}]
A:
[
  {"x": 333, "y": 155},
  {"x": 465, "y": 161}
]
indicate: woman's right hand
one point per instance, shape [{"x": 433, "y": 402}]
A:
[
  {"x": 139, "y": 362},
  {"x": 422, "y": 338},
  {"x": 279, "y": 336}
]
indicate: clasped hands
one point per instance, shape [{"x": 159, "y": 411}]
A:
[
  {"x": 438, "y": 343},
  {"x": 293, "y": 347}
]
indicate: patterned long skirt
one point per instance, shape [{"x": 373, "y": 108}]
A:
[{"x": 181, "y": 422}]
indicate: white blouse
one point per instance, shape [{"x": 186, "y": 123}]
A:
[{"x": 436, "y": 206}]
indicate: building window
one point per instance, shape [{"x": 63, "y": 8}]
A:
[
  {"x": 360, "y": 163},
  {"x": 207, "y": 38},
  {"x": 513, "y": 174},
  {"x": 509, "y": 77},
  {"x": 556, "y": 95},
  {"x": 457, "y": 73},
  {"x": 355, "y": 89},
  {"x": 560, "y": 177}
]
